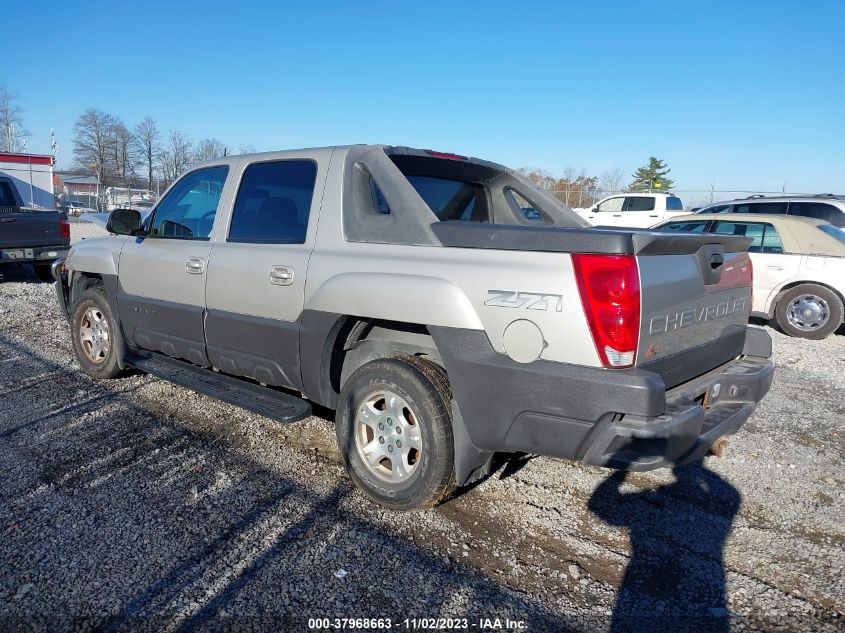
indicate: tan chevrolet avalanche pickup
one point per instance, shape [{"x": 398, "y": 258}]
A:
[{"x": 443, "y": 307}]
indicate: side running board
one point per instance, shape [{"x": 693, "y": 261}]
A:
[{"x": 265, "y": 401}]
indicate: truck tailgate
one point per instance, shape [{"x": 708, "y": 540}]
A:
[
  {"x": 695, "y": 309},
  {"x": 25, "y": 228}
]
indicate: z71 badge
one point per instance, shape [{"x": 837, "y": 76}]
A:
[{"x": 527, "y": 300}]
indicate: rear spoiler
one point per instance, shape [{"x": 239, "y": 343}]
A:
[{"x": 459, "y": 234}]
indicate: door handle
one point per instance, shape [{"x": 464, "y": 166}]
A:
[
  {"x": 774, "y": 267},
  {"x": 617, "y": 216},
  {"x": 654, "y": 216},
  {"x": 281, "y": 275},
  {"x": 195, "y": 265},
  {"x": 7, "y": 220}
]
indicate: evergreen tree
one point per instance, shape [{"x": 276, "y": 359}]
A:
[{"x": 652, "y": 177}]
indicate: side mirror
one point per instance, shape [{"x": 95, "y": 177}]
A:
[{"x": 124, "y": 222}]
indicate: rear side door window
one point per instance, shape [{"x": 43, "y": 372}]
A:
[
  {"x": 826, "y": 212},
  {"x": 274, "y": 202},
  {"x": 187, "y": 211},
  {"x": 639, "y": 203},
  {"x": 765, "y": 236}
]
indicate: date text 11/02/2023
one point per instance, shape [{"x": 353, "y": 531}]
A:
[{"x": 433, "y": 624}]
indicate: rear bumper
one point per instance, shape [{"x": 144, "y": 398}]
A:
[
  {"x": 32, "y": 254},
  {"x": 697, "y": 414},
  {"x": 623, "y": 419}
]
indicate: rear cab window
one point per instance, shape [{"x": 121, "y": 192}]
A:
[
  {"x": 674, "y": 203},
  {"x": 452, "y": 199}
]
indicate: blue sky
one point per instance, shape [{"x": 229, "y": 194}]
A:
[{"x": 746, "y": 94}]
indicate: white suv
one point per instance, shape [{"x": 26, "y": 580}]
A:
[{"x": 637, "y": 210}]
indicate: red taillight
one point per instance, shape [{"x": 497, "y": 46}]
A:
[
  {"x": 610, "y": 292},
  {"x": 64, "y": 228}
]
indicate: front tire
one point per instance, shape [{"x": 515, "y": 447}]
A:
[
  {"x": 394, "y": 431},
  {"x": 809, "y": 311},
  {"x": 96, "y": 337}
]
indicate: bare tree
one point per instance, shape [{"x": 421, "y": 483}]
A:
[
  {"x": 123, "y": 151},
  {"x": 147, "y": 145},
  {"x": 11, "y": 120},
  {"x": 246, "y": 148},
  {"x": 540, "y": 178},
  {"x": 613, "y": 181},
  {"x": 176, "y": 155},
  {"x": 92, "y": 142},
  {"x": 209, "y": 148}
]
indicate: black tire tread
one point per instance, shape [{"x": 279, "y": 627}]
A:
[
  {"x": 111, "y": 368},
  {"x": 433, "y": 382}
]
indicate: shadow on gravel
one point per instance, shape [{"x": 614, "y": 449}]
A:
[
  {"x": 675, "y": 579},
  {"x": 126, "y": 519},
  {"x": 19, "y": 273}
]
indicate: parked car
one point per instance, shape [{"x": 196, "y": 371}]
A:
[
  {"x": 30, "y": 236},
  {"x": 443, "y": 306},
  {"x": 75, "y": 208},
  {"x": 634, "y": 210},
  {"x": 825, "y": 206},
  {"x": 799, "y": 267}
]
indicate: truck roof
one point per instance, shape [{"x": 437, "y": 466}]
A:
[{"x": 389, "y": 149}]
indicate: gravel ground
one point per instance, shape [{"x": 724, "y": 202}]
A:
[{"x": 135, "y": 504}]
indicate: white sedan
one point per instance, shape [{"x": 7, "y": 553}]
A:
[{"x": 799, "y": 267}]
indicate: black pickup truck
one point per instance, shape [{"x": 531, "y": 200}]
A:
[{"x": 30, "y": 236}]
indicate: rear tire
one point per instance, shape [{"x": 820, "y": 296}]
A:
[
  {"x": 96, "y": 336},
  {"x": 394, "y": 431},
  {"x": 809, "y": 311},
  {"x": 44, "y": 272}
]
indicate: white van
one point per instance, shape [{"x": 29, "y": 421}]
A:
[{"x": 637, "y": 210}]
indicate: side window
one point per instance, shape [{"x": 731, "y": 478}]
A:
[
  {"x": 187, "y": 211},
  {"x": 719, "y": 208},
  {"x": 753, "y": 230},
  {"x": 612, "y": 205},
  {"x": 522, "y": 207},
  {"x": 771, "y": 240},
  {"x": 639, "y": 203},
  {"x": 674, "y": 204},
  {"x": 826, "y": 212},
  {"x": 776, "y": 208},
  {"x": 379, "y": 202},
  {"x": 687, "y": 227},
  {"x": 273, "y": 203},
  {"x": 7, "y": 196}
]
